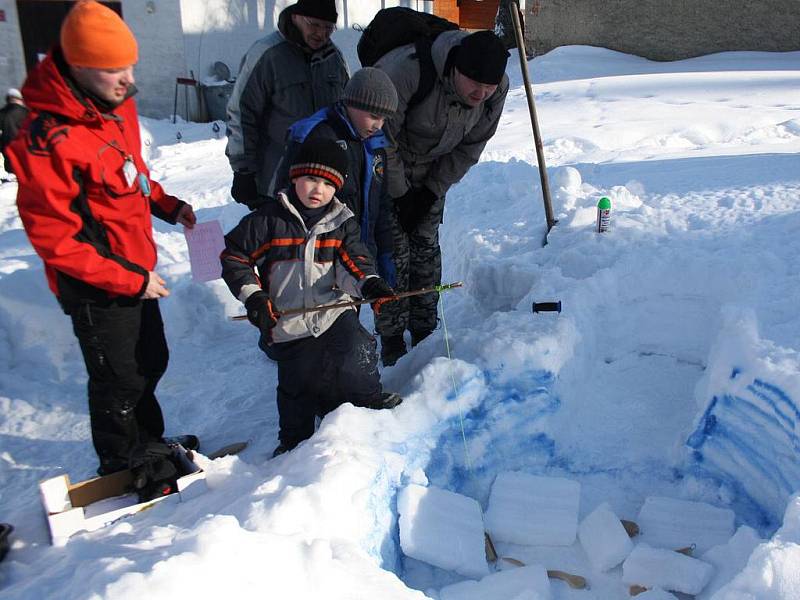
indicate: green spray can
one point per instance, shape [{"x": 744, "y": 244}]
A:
[{"x": 603, "y": 214}]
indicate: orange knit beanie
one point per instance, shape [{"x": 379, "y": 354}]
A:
[{"x": 93, "y": 35}]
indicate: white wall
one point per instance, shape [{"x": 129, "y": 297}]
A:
[
  {"x": 157, "y": 27},
  {"x": 12, "y": 58},
  {"x": 177, "y": 37},
  {"x": 223, "y": 30}
]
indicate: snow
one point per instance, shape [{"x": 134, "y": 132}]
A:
[
  {"x": 665, "y": 569},
  {"x": 729, "y": 559},
  {"x": 697, "y": 279},
  {"x": 525, "y": 583},
  {"x": 604, "y": 539},
  {"x": 443, "y": 529},
  {"x": 671, "y": 523},
  {"x": 534, "y": 511}
]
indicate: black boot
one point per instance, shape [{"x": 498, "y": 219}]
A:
[
  {"x": 418, "y": 336},
  {"x": 392, "y": 348},
  {"x": 388, "y": 400},
  {"x": 188, "y": 441},
  {"x": 282, "y": 448}
]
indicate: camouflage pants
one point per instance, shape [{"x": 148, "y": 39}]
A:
[{"x": 418, "y": 260}]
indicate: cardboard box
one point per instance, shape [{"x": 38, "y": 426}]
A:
[{"x": 95, "y": 503}]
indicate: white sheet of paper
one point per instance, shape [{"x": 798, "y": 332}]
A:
[{"x": 205, "y": 243}]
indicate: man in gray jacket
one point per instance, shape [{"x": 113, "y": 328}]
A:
[
  {"x": 438, "y": 138},
  {"x": 286, "y": 76}
]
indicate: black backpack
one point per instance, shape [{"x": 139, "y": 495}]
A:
[{"x": 398, "y": 26}]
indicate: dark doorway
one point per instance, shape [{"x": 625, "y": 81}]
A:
[{"x": 40, "y": 23}]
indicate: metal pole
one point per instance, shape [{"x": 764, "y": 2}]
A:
[
  {"x": 175, "y": 103},
  {"x": 537, "y": 137}
]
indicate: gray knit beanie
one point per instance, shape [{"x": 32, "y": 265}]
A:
[{"x": 370, "y": 89}]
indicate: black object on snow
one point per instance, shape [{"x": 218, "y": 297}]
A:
[
  {"x": 547, "y": 306},
  {"x": 188, "y": 441},
  {"x": 5, "y": 532}
]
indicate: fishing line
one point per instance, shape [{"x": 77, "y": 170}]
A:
[{"x": 453, "y": 381}]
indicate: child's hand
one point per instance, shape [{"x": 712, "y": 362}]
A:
[
  {"x": 374, "y": 288},
  {"x": 260, "y": 311}
]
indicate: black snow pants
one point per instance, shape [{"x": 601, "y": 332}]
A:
[
  {"x": 418, "y": 259},
  {"x": 345, "y": 353},
  {"x": 126, "y": 353}
]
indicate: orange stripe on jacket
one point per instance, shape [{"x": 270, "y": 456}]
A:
[
  {"x": 276, "y": 242},
  {"x": 350, "y": 264}
]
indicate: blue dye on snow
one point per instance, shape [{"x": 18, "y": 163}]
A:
[
  {"x": 747, "y": 441},
  {"x": 506, "y": 426}
]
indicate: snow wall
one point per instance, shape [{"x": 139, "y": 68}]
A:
[{"x": 746, "y": 435}]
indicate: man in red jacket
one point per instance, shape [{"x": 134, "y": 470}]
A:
[{"x": 86, "y": 199}]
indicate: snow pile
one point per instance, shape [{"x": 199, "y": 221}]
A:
[{"x": 771, "y": 571}]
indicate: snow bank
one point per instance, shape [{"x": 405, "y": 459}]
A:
[{"x": 771, "y": 572}]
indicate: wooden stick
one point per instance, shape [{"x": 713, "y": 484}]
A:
[
  {"x": 537, "y": 136},
  {"x": 574, "y": 581},
  {"x": 491, "y": 553},
  {"x": 631, "y": 528},
  {"x": 301, "y": 311}
]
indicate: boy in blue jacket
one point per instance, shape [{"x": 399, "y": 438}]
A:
[
  {"x": 355, "y": 123},
  {"x": 303, "y": 251}
]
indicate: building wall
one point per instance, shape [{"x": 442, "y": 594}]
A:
[
  {"x": 223, "y": 30},
  {"x": 664, "y": 30},
  {"x": 157, "y": 27},
  {"x": 180, "y": 38},
  {"x": 12, "y": 58}
]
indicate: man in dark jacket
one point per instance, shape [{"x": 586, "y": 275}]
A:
[
  {"x": 436, "y": 141},
  {"x": 86, "y": 199},
  {"x": 11, "y": 117},
  {"x": 355, "y": 123},
  {"x": 286, "y": 76}
]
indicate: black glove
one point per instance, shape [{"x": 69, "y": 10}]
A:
[
  {"x": 244, "y": 189},
  {"x": 374, "y": 288},
  {"x": 260, "y": 311},
  {"x": 412, "y": 206}
]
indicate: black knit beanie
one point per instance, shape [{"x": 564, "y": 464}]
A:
[
  {"x": 482, "y": 57},
  {"x": 370, "y": 89},
  {"x": 321, "y": 158},
  {"x": 324, "y": 10}
]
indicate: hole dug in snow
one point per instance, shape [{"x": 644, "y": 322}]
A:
[{"x": 531, "y": 528}]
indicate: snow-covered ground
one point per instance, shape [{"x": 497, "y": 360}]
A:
[{"x": 673, "y": 370}]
